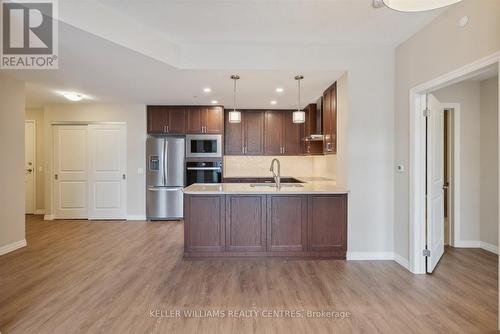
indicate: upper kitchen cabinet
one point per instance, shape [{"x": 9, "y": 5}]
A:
[
  {"x": 166, "y": 120},
  {"x": 330, "y": 120},
  {"x": 246, "y": 137},
  {"x": 207, "y": 120},
  {"x": 281, "y": 135},
  {"x": 312, "y": 126}
]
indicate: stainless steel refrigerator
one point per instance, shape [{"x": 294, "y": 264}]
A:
[{"x": 165, "y": 177}]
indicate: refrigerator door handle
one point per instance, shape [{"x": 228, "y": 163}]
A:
[{"x": 164, "y": 162}]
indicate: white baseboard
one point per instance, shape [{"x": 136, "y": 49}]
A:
[
  {"x": 467, "y": 244},
  {"x": 12, "y": 247},
  {"x": 39, "y": 212},
  {"x": 48, "y": 217},
  {"x": 402, "y": 261},
  {"x": 369, "y": 256},
  {"x": 489, "y": 247},
  {"x": 136, "y": 217}
]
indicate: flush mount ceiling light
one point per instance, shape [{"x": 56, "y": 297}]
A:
[
  {"x": 207, "y": 90},
  {"x": 273, "y": 102},
  {"x": 418, "y": 5},
  {"x": 214, "y": 101},
  {"x": 299, "y": 116},
  {"x": 234, "y": 116},
  {"x": 73, "y": 96},
  {"x": 279, "y": 90}
]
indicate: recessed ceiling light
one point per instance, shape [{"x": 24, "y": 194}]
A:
[
  {"x": 279, "y": 90},
  {"x": 207, "y": 90},
  {"x": 273, "y": 102},
  {"x": 214, "y": 101},
  {"x": 73, "y": 96}
]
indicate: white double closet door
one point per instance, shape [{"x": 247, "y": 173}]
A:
[{"x": 90, "y": 171}]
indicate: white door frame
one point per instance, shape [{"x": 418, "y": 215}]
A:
[
  {"x": 418, "y": 152},
  {"x": 35, "y": 166}
]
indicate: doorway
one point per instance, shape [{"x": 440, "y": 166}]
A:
[
  {"x": 90, "y": 171},
  {"x": 29, "y": 166},
  {"x": 427, "y": 199}
]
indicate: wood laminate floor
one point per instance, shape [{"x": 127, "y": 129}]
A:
[{"x": 107, "y": 277}]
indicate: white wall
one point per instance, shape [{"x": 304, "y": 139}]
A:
[
  {"x": 439, "y": 48},
  {"x": 133, "y": 115},
  {"x": 11, "y": 164},
  {"x": 489, "y": 162},
  {"x": 36, "y": 114},
  {"x": 467, "y": 94}
]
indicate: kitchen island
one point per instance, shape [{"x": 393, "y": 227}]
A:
[{"x": 297, "y": 220}]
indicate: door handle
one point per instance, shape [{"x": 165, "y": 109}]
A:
[
  {"x": 29, "y": 170},
  {"x": 56, "y": 176},
  {"x": 124, "y": 176}
]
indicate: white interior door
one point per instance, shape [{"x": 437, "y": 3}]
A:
[
  {"x": 29, "y": 166},
  {"x": 70, "y": 172},
  {"x": 435, "y": 182},
  {"x": 107, "y": 171}
]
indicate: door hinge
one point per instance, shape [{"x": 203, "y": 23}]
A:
[
  {"x": 427, "y": 112},
  {"x": 426, "y": 253}
]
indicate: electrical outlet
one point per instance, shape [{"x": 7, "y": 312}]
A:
[{"x": 400, "y": 168}]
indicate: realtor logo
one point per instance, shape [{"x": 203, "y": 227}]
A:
[{"x": 29, "y": 34}]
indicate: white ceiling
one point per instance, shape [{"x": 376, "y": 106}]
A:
[
  {"x": 338, "y": 22},
  {"x": 135, "y": 52}
]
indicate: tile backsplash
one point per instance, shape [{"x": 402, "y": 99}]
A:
[{"x": 320, "y": 166}]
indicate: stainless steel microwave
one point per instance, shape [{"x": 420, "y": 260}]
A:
[{"x": 203, "y": 146}]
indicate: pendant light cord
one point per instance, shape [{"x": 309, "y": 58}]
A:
[
  {"x": 234, "y": 95},
  {"x": 298, "y": 106}
]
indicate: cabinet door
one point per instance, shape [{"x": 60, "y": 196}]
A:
[
  {"x": 157, "y": 119},
  {"x": 176, "y": 121},
  {"x": 292, "y": 135},
  {"x": 254, "y": 132},
  {"x": 327, "y": 222},
  {"x": 194, "y": 120},
  {"x": 333, "y": 122},
  {"x": 233, "y": 136},
  {"x": 286, "y": 223},
  {"x": 327, "y": 119},
  {"x": 204, "y": 227},
  {"x": 246, "y": 223},
  {"x": 212, "y": 120},
  {"x": 273, "y": 132}
]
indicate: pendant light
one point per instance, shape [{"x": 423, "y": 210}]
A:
[
  {"x": 234, "y": 116},
  {"x": 299, "y": 116},
  {"x": 418, "y": 5}
]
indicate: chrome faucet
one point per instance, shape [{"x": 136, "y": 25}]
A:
[{"x": 277, "y": 177}]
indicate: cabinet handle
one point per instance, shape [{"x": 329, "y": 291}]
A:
[
  {"x": 168, "y": 129},
  {"x": 164, "y": 128}
]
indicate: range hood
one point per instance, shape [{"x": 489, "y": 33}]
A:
[{"x": 316, "y": 119}]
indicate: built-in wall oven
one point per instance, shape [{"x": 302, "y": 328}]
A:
[
  {"x": 203, "y": 172},
  {"x": 203, "y": 146}
]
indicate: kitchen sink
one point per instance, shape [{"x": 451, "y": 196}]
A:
[{"x": 273, "y": 185}]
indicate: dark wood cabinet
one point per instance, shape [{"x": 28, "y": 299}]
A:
[
  {"x": 205, "y": 120},
  {"x": 166, "y": 120},
  {"x": 206, "y": 229},
  {"x": 246, "y": 137},
  {"x": 292, "y": 135},
  {"x": 330, "y": 119},
  {"x": 287, "y": 223},
  {"x": 273, "y": 133},
  {"x": 282, "y": 136},
  {"x": 265, "y": 225},
  {"x": 312, "y": 147},
  {"x": 246, "y": 223},
  {"x": 328, "y": 223}
]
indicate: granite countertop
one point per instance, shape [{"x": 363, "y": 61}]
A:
[{"x": 311, "y": 185}]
